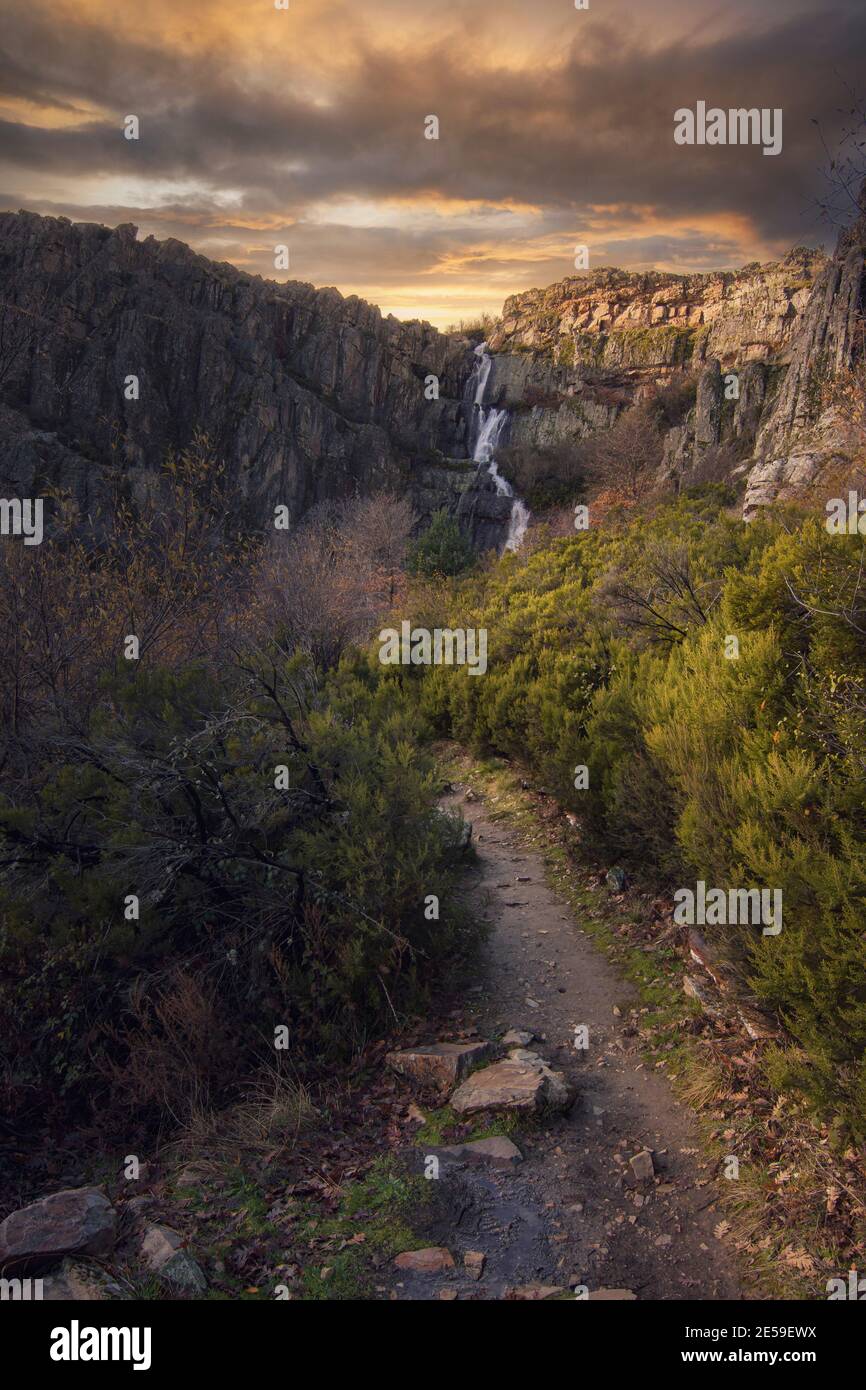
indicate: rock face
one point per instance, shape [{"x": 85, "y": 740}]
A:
[
  {"x": 77, "y": 1221},
  {"x": 307, "y": 396},
  {"x": 801, "y": 433},
  {"x": 304, "y": 395},
  {"x": 617, "y": 318},
  {"x": 569, "y": 358},
  {"x": 523, "y": 1082}
]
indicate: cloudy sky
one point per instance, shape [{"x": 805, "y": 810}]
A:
[{"x": 305, "y": 126}]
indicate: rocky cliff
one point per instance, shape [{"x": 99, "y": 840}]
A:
[
  {"x": 616, "y": 319},
  {"x": 303, "y": 394},
  {"x": 115, "y": 350},
  {"x": 569, "y": 358},
  {"x": 761, "y": 346},
  {"x": 801, "y": 433}
]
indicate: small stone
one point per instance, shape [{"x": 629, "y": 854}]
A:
[
  {"x": 700, "y": 992},
  {"x": 190, "y": 1176},
  {"x": 184, "y": 1272},
  {"x": 447, "y": 1295},
  {"x": 163, "y": 1254},
  {"x": 474, "y": 1262},
  {"x": 135, "y": 1208},
  {"x": 616, "y": 879},
  {"x": 608, "y": 1295},
  {"x": 756, "y": 1024},
  {"x": 517, "y": 1037},
  {"x": 642, "y": 1166},
  {"x": 430, "y": 1261}
]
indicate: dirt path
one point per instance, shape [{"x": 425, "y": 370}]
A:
[{"x": 570, "y": 1212}]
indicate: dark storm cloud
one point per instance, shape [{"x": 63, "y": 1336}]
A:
[{"x": 593, "y": 126}]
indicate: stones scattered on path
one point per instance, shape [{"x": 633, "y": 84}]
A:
[
  {"x": 433, "y": 1260},
  {"x": 522, "y": 1083},
  {"x": 76, "y": 1221},
  {"x": 438, "y": 1065}
]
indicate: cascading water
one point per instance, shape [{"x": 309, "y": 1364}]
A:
[{"x": 488, "y": 425}]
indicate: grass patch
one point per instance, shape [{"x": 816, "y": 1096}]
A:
[{"x": 373, "y": 1223}]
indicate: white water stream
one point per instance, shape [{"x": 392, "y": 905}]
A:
[{"x": 490, "y": 424}]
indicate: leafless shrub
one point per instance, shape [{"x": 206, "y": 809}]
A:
[
  {"x": 626, "y": 458},
  {"x": 321, "y": 588},
  {"x": 661, "y": 599}
]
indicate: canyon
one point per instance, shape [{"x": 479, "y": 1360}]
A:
[{"x": 306, "y": 395}]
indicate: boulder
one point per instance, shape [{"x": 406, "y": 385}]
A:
[
  {"x": 76, "y": 1221},
  {"x": 523, "y": 1082},
  {"x": 440, "y": 1065}
]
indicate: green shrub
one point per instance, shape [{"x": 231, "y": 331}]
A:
[
  {"x": 301, "y": 905},
  {"x": 743, "y": 772},
  {"x": 441, "y": 550}
]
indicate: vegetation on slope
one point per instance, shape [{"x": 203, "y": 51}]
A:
[{"x": 611, "y": 650}]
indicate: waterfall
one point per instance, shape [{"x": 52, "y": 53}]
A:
[{"x": 487, "y": 426}]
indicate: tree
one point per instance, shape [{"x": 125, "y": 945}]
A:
[
  {"x": 627, "y": 457},
  {"x": 442, "y": 550}
]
